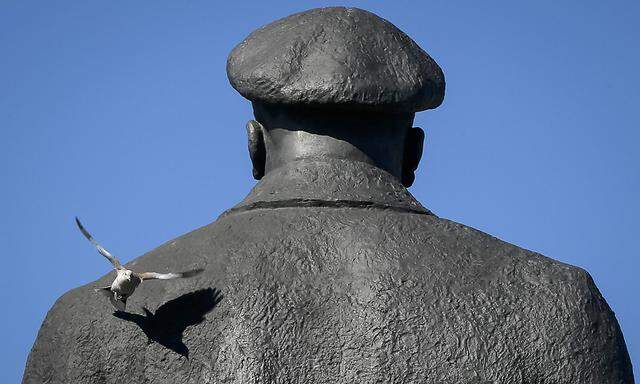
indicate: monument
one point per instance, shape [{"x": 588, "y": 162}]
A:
[{"x": 329, "y": 271}]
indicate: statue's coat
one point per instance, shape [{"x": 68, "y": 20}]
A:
[{"x": 330, "y": 272}]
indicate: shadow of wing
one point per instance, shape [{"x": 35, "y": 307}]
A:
[
  {"x": 168, "y": 323},
  {"x": 140, "y": 320},
  {"x": 188, "y": 309}
]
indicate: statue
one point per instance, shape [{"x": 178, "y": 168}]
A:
[{"x": 329, "y": 271}]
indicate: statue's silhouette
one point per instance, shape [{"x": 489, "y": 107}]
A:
[{"x": 331, "y": 271}]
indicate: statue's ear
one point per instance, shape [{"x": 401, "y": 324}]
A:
[
  {"x": 413, "y": 145},
  {"x": 257, "y": 151}
]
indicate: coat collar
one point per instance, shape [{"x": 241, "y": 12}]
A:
[{"x": 329, "y": 183}]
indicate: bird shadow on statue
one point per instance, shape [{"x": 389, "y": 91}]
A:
[{"x": 167, "y": 325}]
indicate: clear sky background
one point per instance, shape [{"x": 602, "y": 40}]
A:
[{"x": 120, "y": 112}]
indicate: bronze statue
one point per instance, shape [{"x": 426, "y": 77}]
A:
[{"x": 329, "y": 270}]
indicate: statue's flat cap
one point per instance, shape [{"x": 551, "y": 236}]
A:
[{"x": 340, "y": 57}]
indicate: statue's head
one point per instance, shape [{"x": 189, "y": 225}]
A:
[{"x": 335, "y": 83}]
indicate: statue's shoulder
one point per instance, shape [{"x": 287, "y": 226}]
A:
[
  {"x": 528, "y": 278},
  {"x": 467, "y": 246},
  {"x": 544, "y": 298},
  {"x": 80, "y": 334}
]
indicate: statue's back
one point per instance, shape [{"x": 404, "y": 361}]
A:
[{"x": 340, "y": 293}]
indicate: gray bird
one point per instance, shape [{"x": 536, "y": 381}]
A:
[{"x": 126, "y": 280}]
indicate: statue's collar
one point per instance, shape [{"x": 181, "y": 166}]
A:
[{"x": 329, "y": 183}]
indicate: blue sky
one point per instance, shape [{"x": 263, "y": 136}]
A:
[{"x": 120, "y": 112}]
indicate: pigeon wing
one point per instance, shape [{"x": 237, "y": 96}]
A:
[
  {"x": 103, "y": 252},
  {"x": 105, "y": 291},
  {"x": 168, "y": 276}
]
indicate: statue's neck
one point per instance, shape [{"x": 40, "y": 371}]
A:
[{"x": 284, "y": 146}]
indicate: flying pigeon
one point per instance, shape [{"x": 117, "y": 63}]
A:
[{"x": 126, "y": 280}]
